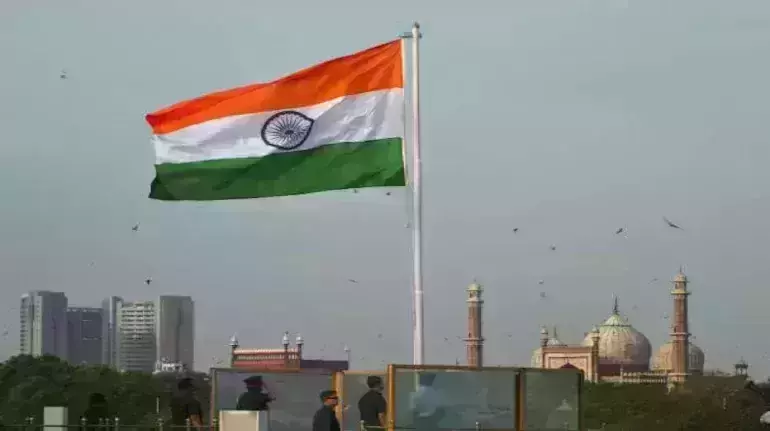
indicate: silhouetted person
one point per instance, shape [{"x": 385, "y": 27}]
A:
[
  {"x": 96, "y": 413},
  {"x": 325, "y": 419},
  {"x": 255, "y": 398},
  {"x": 185, "y": 407},
  {"x": 372, "y": 405}
]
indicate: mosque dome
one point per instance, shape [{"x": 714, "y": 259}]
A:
[
  {"x": 663, "y": 360},
  {"x": 621, "y": 344}
]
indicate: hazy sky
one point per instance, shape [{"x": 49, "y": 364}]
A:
[{"x": 567, "y": 119}]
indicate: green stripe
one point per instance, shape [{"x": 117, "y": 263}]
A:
[{"x": 348, "y": 165}]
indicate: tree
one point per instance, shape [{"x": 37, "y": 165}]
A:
[
  {"x": 718, "y": 403},
  {"x": 27, "y": 384}
]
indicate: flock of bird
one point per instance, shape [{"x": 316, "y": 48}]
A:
[{"x": 619, "y": 231}]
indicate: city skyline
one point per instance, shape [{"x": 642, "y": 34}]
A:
[
  {"x": 566, "y": 120},
  {"x": 128, "y": 336}
]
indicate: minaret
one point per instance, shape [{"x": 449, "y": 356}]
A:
[
  {"x": 595, "y": 338},
  {"x": 474, "y": 344},
  {"x": 233, "y": 346},
  {"x": 300, "y": 343},
  {"x": 543, "y": 344},
  {"x": 680, "y": 334},
  {"x": 285, "y": 343}
]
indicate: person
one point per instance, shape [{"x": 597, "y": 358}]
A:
[
  {"x": 185, "y": 407},
  {"x": 325, "y": 419},
  {"x": 96, "y": 413},
  {"x": 426, "y": 404},
  {"x": 255, "y": 398},
  {"x": 372, "y": 405}
]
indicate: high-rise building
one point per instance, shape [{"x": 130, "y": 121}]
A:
[
  {"x": 176, "y": 330},
  {"x": 110, "y": 334},
  {"x": 84, "y": 335},
  {"x": 136, "y": 336},
  {"x": 43, "y": 324}
]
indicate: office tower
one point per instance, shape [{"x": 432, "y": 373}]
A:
[
  {"x": 110, "y": 333},
  {"x": 176, "y": 330},
  {"x": 136, "y": 336},
  {"x": 84, "y": 335},
  {"x": 43, "y": 325}
]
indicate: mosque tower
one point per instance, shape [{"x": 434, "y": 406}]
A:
[
  {"x": 680, "y": 335},
  {"x": 474, "y": 344}
]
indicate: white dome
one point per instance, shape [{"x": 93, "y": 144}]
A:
[
  {"x": 663, "y": 360},
  {"x": 620, "y": 343}
]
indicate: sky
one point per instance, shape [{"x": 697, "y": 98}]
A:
[{"x": 566, "y": 119}]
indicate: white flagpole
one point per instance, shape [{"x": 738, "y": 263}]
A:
[{"x": 419, "y": 321}]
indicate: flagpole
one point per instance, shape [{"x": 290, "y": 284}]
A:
[{"x": 418, "y": 336}]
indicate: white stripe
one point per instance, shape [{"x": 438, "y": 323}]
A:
[{"x": 363, "y": 117}]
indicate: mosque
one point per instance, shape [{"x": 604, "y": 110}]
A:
[{"x": 613, "y": 351}]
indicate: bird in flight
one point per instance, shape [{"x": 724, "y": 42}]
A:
[
  {"x": 671, "y": 224},
  {"x": 148, "y": 281},
  {"x": 63, "y": 74},
  {"x": 619, "y": 231},
  {"x": 553, "y": 248},
  {"x": 541, "y": 282},
  {"x": 352, "y": 280},
  {"x": 135, "y": 228}
]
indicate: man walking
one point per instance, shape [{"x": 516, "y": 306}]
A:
[
  {"x": 372, "y": 406},
  {"x": 325, "y": 419}
]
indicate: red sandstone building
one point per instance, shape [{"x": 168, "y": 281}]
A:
[{"x": 285, "y": 358}]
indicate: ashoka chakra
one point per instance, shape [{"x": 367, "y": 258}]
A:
[{"x": 287, "y": 130}]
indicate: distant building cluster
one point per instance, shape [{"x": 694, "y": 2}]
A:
[
  {"x": 616, "y": 351},
  {"x": 144, "y": 336},
  {"x": 284, "y": 358}
]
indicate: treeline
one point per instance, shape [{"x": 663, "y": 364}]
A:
[
  {"x": 27, "y": 384},
  {"x": 704, "y": 403}
]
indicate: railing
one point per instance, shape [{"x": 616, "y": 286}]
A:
[{"x": 110, "y": 424}]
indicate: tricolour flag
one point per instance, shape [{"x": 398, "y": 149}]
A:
[{"x": 335, "y": 125}]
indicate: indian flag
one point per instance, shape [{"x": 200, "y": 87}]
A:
[{"x": 335, "y": 125}]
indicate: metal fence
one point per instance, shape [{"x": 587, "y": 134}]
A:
[{"x": 108, "y": 424}]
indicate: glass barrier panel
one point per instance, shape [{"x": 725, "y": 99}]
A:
[
  {"x": 353, "y": 388},
  {"x": 296, "y": 395},
  {"x": 449, "y": 399},
  {"x": 551, "y": 399}
]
